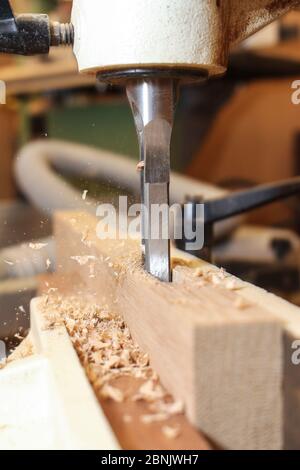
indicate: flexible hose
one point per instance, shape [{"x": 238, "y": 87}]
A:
[
  {"x": 36, "y": 172},
  {"x": 36, "y": 168}
]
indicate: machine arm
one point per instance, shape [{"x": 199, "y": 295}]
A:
[
  {"x": 30, "y": 34},
  {"x": 232, "y": 205}
]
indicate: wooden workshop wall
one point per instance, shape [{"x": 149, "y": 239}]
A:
[
  {"x": 8, "y": 145},
  {"x": 8, "y": 139},
  {"x": 253, "y": 138}
]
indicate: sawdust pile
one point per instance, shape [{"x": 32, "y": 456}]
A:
[
  {"x": 107, "y": 351},
  {"x": 25, "y": 349}
]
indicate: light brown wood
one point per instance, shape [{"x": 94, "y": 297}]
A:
[
  {"x": 220, "y": 355},
  {"x": 132, "y": 434}
]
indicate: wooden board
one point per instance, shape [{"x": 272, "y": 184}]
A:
[
  {"x": 132, "y": 434},
  {"x": 221, "y": 355}
]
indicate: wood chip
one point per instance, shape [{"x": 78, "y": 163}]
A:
[
  {"x": 171, "y": 432},
  {"x": 115, "y": 394},
  {"x": 171, "y": 409},
  {"x": 140, "y": 166},
  {"x": 241, "y": 303},
  {"x": 83, "y": 260},
  {"x": 25, "y": 349},
  {"x": 127, "y": 419},
  {"x": 10, "y": 263},
  {"x": 150, "y": 391},
  {"x": 155, "y": 418},
  {"x": 37, "y": 246},
  {"x": 232, "y": 284}
]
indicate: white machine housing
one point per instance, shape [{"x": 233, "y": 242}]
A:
[{"x": 117, "y": 34}]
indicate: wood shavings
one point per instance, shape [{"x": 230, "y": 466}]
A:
[
  {"x": 127, "y": 419},
  {"x": 10, "y": 263},
  {"x": 115, "y": 394},
  {"x": 84, "y": 194},
  {"x": 140, "y": 166},
  {"x": 83, "y": 260},
  {"x": 22, "y": 309},
  {"x": 232, "y": 284},
  {"x": 92, "y": 274},
  {"x": 85, "y": 235},
  {"x": 25, "y": 349},
  {"x": 155, "y": 418},
  {"x": 171, "y": 409},
  {"x": 37, "y": 246},
  {"x": 198, "y": 272},
  {"x": 48, "y": 263},
  {"x": 241, "y": 303},
  {"x": 18, "y": 336},
  {"x": 150, "y": 391},
  {"x": 171, "y": 432},
  {"x": 218, "y": 278},
  {"x": 52, "y": 290},
  {"x": 185, "y": 263},
  {"x": 84, "y": 238},
  {"x": 107, "y": 352}
]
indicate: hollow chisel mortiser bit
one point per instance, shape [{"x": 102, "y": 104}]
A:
[{"x": 153, "y": 102}]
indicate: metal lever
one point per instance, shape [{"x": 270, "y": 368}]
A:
[
  {"x": 31, "y": 34},
  {"x": 244, "y": 201},
  {"x": 235, "y": 204}
]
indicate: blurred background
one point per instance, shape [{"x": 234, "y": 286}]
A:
[{"x": 234, "y": 132}]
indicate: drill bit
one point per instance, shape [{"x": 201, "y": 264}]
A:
[{"x": 153, "y": 102}]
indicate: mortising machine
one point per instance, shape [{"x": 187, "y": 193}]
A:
[{"x": 152, "y": 47}]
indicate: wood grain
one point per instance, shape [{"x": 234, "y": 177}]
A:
[
  {"x": 223, "y": 360},
  {"x": 132, "y": 434}
]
